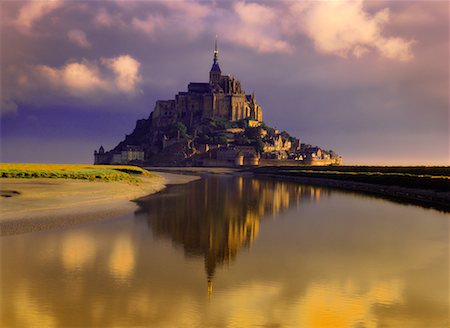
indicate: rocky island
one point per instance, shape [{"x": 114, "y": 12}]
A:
[{"x": 214, "y": 123}]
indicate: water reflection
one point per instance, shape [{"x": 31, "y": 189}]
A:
[
  {"x": 77, "y": 250},
  {"x": 344, "y": 305},
  {"x": 279, "y": 255},
  {"x": 121, "y": 261},
  {"x": 214, "y": 222}
]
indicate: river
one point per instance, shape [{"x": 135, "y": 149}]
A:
[{"x": 231, "y": 251}]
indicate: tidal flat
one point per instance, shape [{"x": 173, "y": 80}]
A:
[
  {"x": 75, "y": 193},
  {"x": 235, "y": 251}
]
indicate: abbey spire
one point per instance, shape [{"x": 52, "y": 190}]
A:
[
  {"x": 215, "y": 72},
  {"x": 216, "y": 52}
]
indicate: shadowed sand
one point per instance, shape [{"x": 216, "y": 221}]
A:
[{"x": 36, "y": 204}]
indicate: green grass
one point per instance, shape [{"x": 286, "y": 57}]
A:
[
  {"x": 420, "y": 177},
  {"x": 74, "y": 171}
]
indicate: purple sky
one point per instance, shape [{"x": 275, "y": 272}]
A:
[{"x": 369, "y": 80}]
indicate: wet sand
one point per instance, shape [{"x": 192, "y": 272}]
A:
[
  {"x": 200, "y": 170},
  {"x": 35, "y": 204}
]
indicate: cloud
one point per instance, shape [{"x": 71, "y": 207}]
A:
[
  {"x": 395, "y": 48},
  {"x": 88, "y": 80},
  {"x": 126, "y": 69},
  {"x": 248, "y": 25},
  {"x": 32, "y": 11},
  {"x": 191, "y": 9},
  {"x": 253, "y": 26},
  {"x": 254, "y": 14},
  {"x": 105, "y": 19},
  {"x": 78, "y": 79},
  {"x": 149, "y": 24},
  {"x": 343, "y": 28},
  {"x": 173, "y": 18},
  {"x": 340, "y": 27},
  {"x": 79, "y": 38}
]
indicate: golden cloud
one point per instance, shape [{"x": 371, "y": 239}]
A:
[{"x": 344, "y": 28}]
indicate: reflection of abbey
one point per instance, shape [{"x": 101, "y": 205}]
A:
[
  {"x": 212, "y": 124},
  {"x": 227, "y": 216}
]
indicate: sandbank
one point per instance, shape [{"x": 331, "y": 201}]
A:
[{"x": 37, "y": 204}]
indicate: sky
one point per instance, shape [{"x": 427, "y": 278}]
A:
[{"x": 367, "y": 79}]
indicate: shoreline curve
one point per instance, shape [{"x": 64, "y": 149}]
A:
[{"x": 41, "y": 204}]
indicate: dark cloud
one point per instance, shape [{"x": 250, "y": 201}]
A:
[{"x": 351, "y": 90}]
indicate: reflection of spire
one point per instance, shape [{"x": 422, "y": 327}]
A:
[
  {"x": 210, "y": 288},
  {"x": 210, "y": 267}
]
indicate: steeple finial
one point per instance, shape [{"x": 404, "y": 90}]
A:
[{"x": 216, "y": 51}]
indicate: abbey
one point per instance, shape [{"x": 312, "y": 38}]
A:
[
  {"x": 213, "y": 123},
  {"x": 220, "y": 98}
]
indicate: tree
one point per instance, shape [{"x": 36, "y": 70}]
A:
[
  {"x": 177, "y": 129},
  {"x": 222, "y": 139},
  {"x": 253, "y": 133},
  {"x": 243, "y": 124},
  {"x": 223, "y": 124},
  {"x": 259, "y": 145},
  {"x": 203, "y": 139},
  {"x": 242, "y": 140}
]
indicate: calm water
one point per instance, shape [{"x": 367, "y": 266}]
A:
[{"x": 235, "y": 252}]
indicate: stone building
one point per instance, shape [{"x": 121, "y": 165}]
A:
[
  {"x": 100, "y": 157},
  {"x": 277, "y": 144},
  {"x": 220, "y": 98},
  {"x": 127, "y": 154}
]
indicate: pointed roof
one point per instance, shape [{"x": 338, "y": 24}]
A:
[{"x": 215, "y": 66}]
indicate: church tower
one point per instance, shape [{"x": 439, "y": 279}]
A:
[{"x": 215, "y": 72}]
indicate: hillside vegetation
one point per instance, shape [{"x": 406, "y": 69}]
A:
[{"x": 74, "y": 171}]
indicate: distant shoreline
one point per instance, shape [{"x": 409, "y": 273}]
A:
[
  {"x": 424, "y": 198},
  {"x": 439, "y": 200},
  {"x": 39, "y": 204},
  {"x": 424, "y": 186}
]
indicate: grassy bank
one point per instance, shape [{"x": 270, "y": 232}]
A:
[
  {"x": 74, "y": 171},
  {"x": 416, "y": 177}
]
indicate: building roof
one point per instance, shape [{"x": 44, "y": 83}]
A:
[
  {"x": 215, "y": 67},
  {"x": 198, "y": 87}
]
